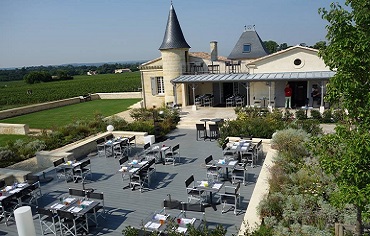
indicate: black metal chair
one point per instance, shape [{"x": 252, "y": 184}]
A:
[
  {"x": 214, "y": 132},
  {"x": 201, "y": 129},
  {"x": 100, "y": 146},
  {"x": 82, "y": 170},
  {"x": 212, "y": 170},
  {"x": 48, "y": 221},
  {"x": 76, "y": 192},
  {"x": 59, "y": 171},
  {"x": 239, "y": 173},
  {"x": 173, "y": 155},
  {"x": 71, "y": 223},
  {"x": 8, "y": 205},
  {"x": 230, "y": 197},
  {"x": 99, "y": 210},
  {"x": 192, "y": 191}
]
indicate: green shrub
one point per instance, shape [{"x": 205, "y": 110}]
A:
[
  {"x": 315, "y": 114},
  {"x": 339, "y": 115},
  {"x": 300, "y": 114},
  {"x": 327, "y": 116},
  {"x": 309, "y": 126}
]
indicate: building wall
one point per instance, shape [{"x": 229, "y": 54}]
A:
[
  {"x": 285, "y": 62},
  {"x": 157, "y": 100}
]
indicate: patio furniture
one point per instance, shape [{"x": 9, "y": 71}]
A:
[
  {"x": 8, "y": 205},
  {"x": 201, "y": 129},
  {"x": 173, "y": 155},
  {"x": 99, "y": 210},
  {"x": 230, "y": 197},
  {"x": 239, "y": 173},
  {"x": 122, "y": 148},
  {"x": 100, "y": 146},
  {"x": 59, "y": 171},
  {"x": 77, "y": 192},
  {"x": 192, "y": 191},
  {"x": 214, "y": 132},
  {"x": 71, "y": 223},
  {"x": 48, "y": 221},
  {"x": 143, "y": 175},
  {"x": 249, "y": 155},
  {"x": 131, "y": 142},
  {"x": 212, "y": 170},
  {"x": 82, "y": 170}
]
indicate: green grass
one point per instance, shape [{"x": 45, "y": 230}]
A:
[{"x": 67, "y": 114}]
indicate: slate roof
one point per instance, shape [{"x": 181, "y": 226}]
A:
[
  {"x": 286, "y": 76},
  {"x": 257, "y": 48},
  {"x": 173, "y": 37}
]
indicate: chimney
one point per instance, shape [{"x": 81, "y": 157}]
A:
[{"x": 214, "y": 53}]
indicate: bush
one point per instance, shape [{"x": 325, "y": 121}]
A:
[
  {"x": 300, "y": 114},
  {"x": 327, "y": 117},
  {"x": 315, "y": 114}
]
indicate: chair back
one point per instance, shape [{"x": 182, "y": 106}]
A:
[
  {"x": 213, "y": 127},
  {"x": 146, "y": 146},
  {"x": 171, "y": 204},
  {"x": 31, "y": 178},
  {"x": 189, "y": 181},
  {"x": 65, "y": 215},
  {"x": 2, "y": 183},
  {"x": 94, "y": 195},
  {"x": 200, "y": 126},
  {"x": 76, "y": 192},
  {"x": 85, "y": 163},
  {"x": 175, "y": 148},
  {"x": 59, "y": 162},
  {"x": 208, "y": 159},
  {"x": 132, "y": 138},
  {"x": 109, "y": 137},
  {"x": 100, "y": 141},
  {"x": 123, "y": 160},
  {"x": 224, "y": 145},
  {"x": 44, "y": 212},
  {"x": 196, "y": 207}
]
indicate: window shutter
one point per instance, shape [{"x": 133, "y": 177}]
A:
[{"x": 154, "y": 85}]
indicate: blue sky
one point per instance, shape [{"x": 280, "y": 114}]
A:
[{"x": 53, "y": 32}]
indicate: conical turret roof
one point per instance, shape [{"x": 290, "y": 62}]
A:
[{"x": 173, "y": 37}]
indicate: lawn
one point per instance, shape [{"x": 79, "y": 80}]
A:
[{"x": 67, "y": 114}]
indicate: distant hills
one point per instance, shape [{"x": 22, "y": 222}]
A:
[{"x": 82, "y": 64}]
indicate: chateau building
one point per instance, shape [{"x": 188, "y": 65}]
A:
[{"x": 248, "y": 76}]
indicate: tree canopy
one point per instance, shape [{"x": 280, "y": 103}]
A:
[{"x": 346, "y": 154}]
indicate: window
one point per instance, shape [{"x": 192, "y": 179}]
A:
[
  {"x": 157, "y": 85},
  {"x": 297, "y": 62},
  {"x": 160, "y": 85},
  {"x": 246, "y": 48}
]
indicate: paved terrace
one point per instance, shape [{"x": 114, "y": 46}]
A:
[{"x": 128, "y": 208}]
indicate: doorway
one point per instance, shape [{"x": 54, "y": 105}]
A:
[
  {"x": 299, "y": 97},
  {"x": 228, "y": 91}
]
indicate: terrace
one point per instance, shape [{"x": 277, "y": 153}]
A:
[{"x": 129, "y": 208}]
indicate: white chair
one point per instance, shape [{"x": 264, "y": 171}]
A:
[
  {"x": 230, "y": 197},
  {"x": 48, "y": 221},
  {"x": 173, "y": 155},
  {"x": 239, "y": 173},
  {"x": 212, "y": 170},
  {"x": 192, "y": 191}
]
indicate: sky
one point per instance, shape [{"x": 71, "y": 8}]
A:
[{"x": 54, "y": 32}]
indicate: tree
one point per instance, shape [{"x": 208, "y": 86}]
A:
[
  {"x": 346, "y": 154},
  {"x": 283, "y": 46},
  {"x": 271, "y": 46},
  {"x": 320, "y": 45}
]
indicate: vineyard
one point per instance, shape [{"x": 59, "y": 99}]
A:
[{"x": 18, "y": 93}]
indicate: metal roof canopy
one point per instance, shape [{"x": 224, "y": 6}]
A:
[{"x": 285, "y": 76}]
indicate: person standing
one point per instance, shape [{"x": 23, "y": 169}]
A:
[{"x": 288, "y": 96}]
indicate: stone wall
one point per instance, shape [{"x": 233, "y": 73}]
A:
[{"x": 21, "y": 129}]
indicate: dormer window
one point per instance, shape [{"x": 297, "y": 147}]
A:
[{"x": 246, "y": 48}]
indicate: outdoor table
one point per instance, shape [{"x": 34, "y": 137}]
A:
[
  {"x": 211, "y": 187},
  {"x": 68, "y": 168},
  {"x": 110, "y": 144},
  {"x": 78, "y": 206},
  {"x": 205, "y": 120},
  {"x": 12, "y": 190},
  {"x": 226, "y": 164}
]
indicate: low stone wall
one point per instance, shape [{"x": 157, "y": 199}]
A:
[
  {"x": 81, "y": 148},
  {"x": 119, "y": 95},
  {"x": 22, "y": 129},
  {"x": 11, "y": 175}
]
